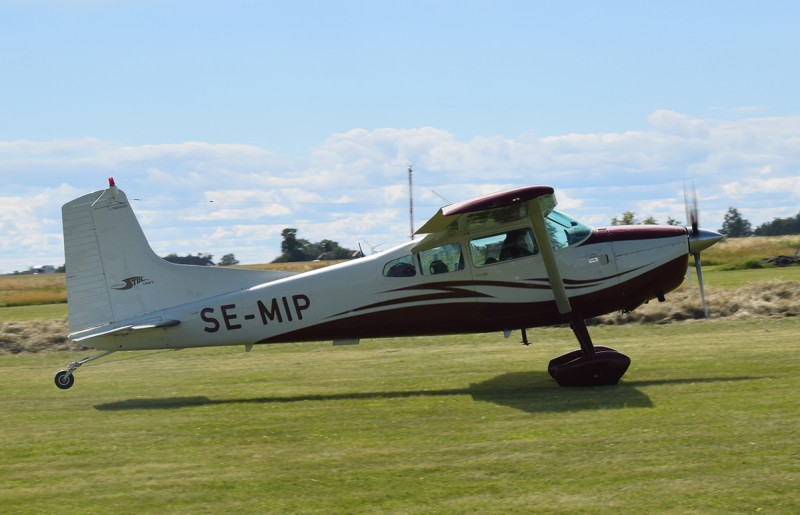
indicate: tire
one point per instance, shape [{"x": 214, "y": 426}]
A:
[{"x": 64, "y": 380}]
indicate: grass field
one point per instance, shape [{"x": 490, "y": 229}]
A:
[{"x": 705, "y": 421}]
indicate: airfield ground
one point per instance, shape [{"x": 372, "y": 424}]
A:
[{"x": 705, "y": 421}]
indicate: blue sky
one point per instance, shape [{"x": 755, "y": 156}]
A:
[{"x": 304, "y": 114}]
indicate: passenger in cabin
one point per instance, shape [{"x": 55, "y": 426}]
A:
[{"x": 516, "y": 245}]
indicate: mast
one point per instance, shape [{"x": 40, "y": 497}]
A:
[{"x": 410, "y": 201}]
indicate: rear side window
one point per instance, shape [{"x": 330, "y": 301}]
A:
[
  {"x": 441, "y": 260},
  {"x": 400, "y": 267}
]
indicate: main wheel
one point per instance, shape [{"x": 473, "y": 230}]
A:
[
  {"x": 605, "y": 367},
  {"x": 65, "y": 380}
]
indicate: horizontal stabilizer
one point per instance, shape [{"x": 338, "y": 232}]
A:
[{"x": 105, "y": 331}]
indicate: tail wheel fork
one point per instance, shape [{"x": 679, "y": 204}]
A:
[{"x": 65, "y": 378}]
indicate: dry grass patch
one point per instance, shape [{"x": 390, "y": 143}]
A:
[
  {"x": 35, "y": 336},
  {"x": 296, "y": 267},
  {"x": 758, "y": 300}
]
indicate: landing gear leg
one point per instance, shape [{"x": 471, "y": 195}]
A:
[
  {"x": 65, "y": 378},
  {"x": 590, "y": 365}
]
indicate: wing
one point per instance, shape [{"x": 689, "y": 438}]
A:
[
  {"x": 538, "y": 202},
  {"x": 450, "y": 214}
]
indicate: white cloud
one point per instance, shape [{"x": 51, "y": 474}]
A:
[
  {"x": 770, "y": 185},
  {"x": 354, "y": 184},
  {"x": 677, "y": 124}
]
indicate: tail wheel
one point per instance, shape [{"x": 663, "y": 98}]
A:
[{"x": 64, "y": 380}]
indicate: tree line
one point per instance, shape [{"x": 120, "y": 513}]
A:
[
  {"x": 201, "y": 259},
  {"x": 292, "y": 249},
  {"x": 734, "y": 225},
  {"x": 299, "y": 249}
]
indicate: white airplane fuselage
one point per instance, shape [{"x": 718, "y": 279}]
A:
[{"x": 614, "y": 269}]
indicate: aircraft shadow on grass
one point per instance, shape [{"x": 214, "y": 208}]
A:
[{"x": 532, "y": 392}]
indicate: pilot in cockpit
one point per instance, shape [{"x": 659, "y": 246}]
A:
[{"x": 517, "y": 244}]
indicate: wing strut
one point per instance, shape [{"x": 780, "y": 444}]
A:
[{"x": 589, "y": 366}]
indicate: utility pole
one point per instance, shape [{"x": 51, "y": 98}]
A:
[{"x": 411, "y": 201}]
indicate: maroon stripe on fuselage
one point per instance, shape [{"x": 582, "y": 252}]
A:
[
  {"x": 476, "y": 316},
  {"x": 632, "y": 233}
]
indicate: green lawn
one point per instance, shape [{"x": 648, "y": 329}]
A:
[
  {"x": 731, "y": 279},
  {"x": 36, "y": 312},
  {"x": 705, "y": 421}
]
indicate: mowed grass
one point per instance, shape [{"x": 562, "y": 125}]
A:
[
  {"x": 713, "y": 277},
  {"x": 33, "y": 312},
  {"x": 705, "y": 421}
]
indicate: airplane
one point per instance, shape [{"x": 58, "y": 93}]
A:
[{"x": 499, "y": 262}]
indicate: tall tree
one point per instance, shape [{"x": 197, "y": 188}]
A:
[
  {"x": 734, "y": 225},
  {"x": 292, "y": 248},
  {"x": 228, "y": 260},
  {"x": 628, "y": 218},
  {"x": 296, "y": 249}
]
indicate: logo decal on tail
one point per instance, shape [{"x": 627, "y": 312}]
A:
[{"x": 130, "y": 282}]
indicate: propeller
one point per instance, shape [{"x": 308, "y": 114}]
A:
[{"x": 699, "y": 239}]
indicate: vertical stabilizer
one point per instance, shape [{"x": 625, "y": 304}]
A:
[{"x": 113, "y": 275}]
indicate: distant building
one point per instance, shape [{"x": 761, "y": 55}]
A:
[{"x": 44, "y": 269}]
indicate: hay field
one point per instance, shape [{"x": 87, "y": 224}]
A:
[
  {"x": 733, "y": 251},
  {"x": 26, "y": 290}
]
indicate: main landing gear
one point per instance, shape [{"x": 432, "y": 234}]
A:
[
  {"x": 589, "y": 365},
  {"x": 65, "y": 378}
]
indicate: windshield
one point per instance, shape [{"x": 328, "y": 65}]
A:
[{"x": 565, "y": 230}]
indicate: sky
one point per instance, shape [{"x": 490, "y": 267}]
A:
[{"x": 227, "y": 122}]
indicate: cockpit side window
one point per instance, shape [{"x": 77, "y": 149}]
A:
[
  {"x": 514, "y": 244},
  {"x": 400, "y": 267},
  {"x": 441, "y": 260},
  {"x": 564, "y": 230}
]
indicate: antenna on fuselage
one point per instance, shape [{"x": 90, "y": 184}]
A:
[{"x": 441, "y": 196}]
